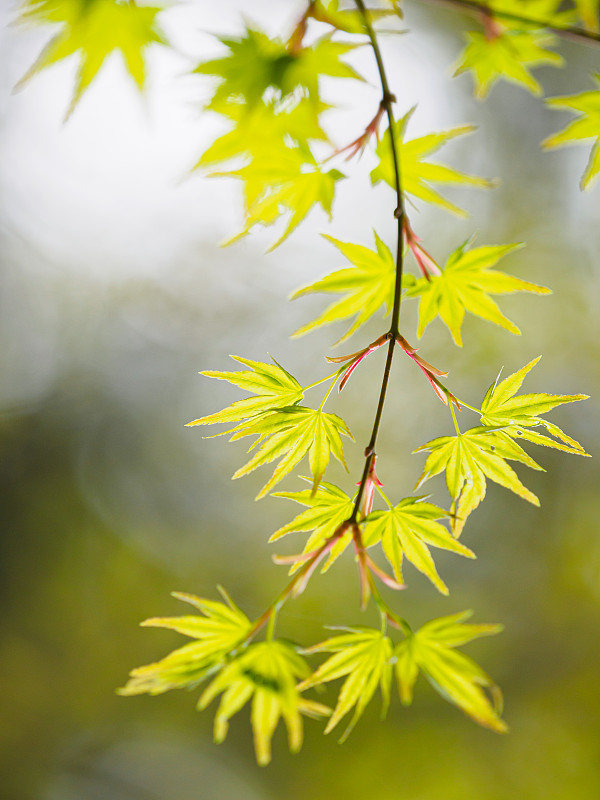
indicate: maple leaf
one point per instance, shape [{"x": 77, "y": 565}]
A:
[
  {"x": 366, "y": 285},
  {"x": 217, "y": 634},
  {"x": 540, "y": 13},
  {"x": 588, "y": 13},
  {"x": 290, "y": 433},
  {"x": 327, "y": 508},
  {"x": 273, "y": 386},
  {"x": 417, "y": 175},
  {"x": 267, "y": 673},
  {"x": 520, "y": 413},
  {"x": 586, "y": 126},
  {"x": 465, "y": 284},
  {"x": 364, "y": 656},
  {"x": 94, "y": 29},
  {"x": 508, "y": 55},
  {"x": 348, "y": 20},
  {"x": 456, "y": 677},
  {"x": 468, "y": 459},
  {"x": 406, "y": 530},
  {"x": 288, "y": 181}
]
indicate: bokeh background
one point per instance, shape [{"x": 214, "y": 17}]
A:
[{"x": 115, "y": 293}]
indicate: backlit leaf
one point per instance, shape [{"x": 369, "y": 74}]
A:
[
  {"x": 586, "y": 126},
  {"x": 452, "y": 674},
  {"x": 94, "y": 29},
  {"x": 266, "y": 673},
  {"x": 364, "y": 656},
  {"x": 417, "y": 174},
  {"x": 407, "y": 531},
  {"x": 501, "y": 406},
  {"x": 217, "y": 634},
  {"x": 465, "y": 284}
]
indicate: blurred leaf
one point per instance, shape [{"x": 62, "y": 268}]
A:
[
  {"x": 453, "y": 675},
  {"x": 588, "y": 13},
  {"x": 587, "y": 126},
  {"x": 406, "y": 530},
  {"x": 417, "y": 174},
  {"x": 508, "y": 55},
  {"x": 519, "y": 414},
  {"x": 267, "y": 673},
  {"x": 94, "y": 29},
  {"x": 218, "y": 632},
  {"x": 350, "y": 20},
  {"x": 465, "y": 284},
  {"x": 364, "y": 655}
]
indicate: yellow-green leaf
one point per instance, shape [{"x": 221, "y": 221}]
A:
[
  {"x": 417, "y": 174},
  {"x": 465, "y": 284}
]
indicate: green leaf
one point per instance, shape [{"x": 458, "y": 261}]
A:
[
  {"x": 349, "y": 20},
  {"x": 522, "y": 412},
  {"x": 586, "y": 126},
  {"x": 452, "y": 674},
  {"x": 417, "y": 174},
  {"x": 467, "y": 460},
  {"x": 217, "y": 634},
  {"x": 588, "y": 13},
  {"x": 267, "y": 673},
  {"x": 366, "y": 285},
  {"x": 406, "y": 530},
  {"x": 290, "y": 182},
  {"x": 290, "y": 434},
  {"x": 257, "y": 64},
  {"x": 465, "y": 284},
  {"x": 327, "y": 509},
  {"x": 94, "y": 29},
  {"x": 510, "y": 55},
  {"x": 364, "y": 656}
]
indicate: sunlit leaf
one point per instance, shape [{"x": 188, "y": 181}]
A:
[
  {"x": 367, "y": 285},
  {"x": 266, "y": 673},
  {"x": 501, "y": 406},
  {"x": 417, "y": 174},
  {"x": 327, "y": 509},
  {"x": 273, "y": 386},
  {"x": 588, "y": 13},
  {"x": 289, "y": 434},
  {"x": 364, "y": 656},
  {"x": 217, "y": 634},
  {"x": 465, "y": 284},
  {"x": 467, "y": 460},
  {"x": 407, "y": 531},
  {"x": 586, "y": 126},
  {"x": 510, "y": 55},
  {"x": 94, "y": 29},
  {"x": 455, "y": 676},
  {"x": 350, "y": 20}
]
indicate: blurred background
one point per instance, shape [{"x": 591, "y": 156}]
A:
[{"x": 115, "y": 293}]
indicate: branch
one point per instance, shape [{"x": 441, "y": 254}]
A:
[{"x": 478, "y": 9}]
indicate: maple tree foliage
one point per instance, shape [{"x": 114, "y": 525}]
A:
[{"x": 268, "y": 91}]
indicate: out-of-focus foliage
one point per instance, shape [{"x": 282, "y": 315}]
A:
[{"x": 93, "y": 29}]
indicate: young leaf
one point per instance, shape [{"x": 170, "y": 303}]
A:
[
  {"x": 327, "y": 509},
  {"x": 586, "y": 126},
  {"x": 452, "y": 674},
  {"x": 94, "y": 29},
  {"x": 273, "y": 386},
  {"x": 465, "y": 284},
  {"x": 467, "y": 460},
  {"x": 366, "y": 285},
  {"x": 588, "y": 13},
  {"x": 267, "y": 673},
  {"x": 290, "y": 434},
  {"x": 217, "y": 633},
  {"x": 520, "y": 413},
  {"x": 289, "y": 181},
  {"x": 508, "y": 55},
  {"x": 364, "y": 655},
  {"x": 406, "y": 530},
  {"x": 417, "y": 174},
  {"x": 349, "y": 20}
]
